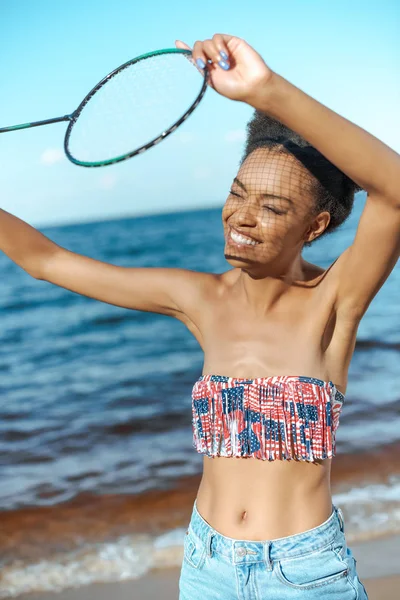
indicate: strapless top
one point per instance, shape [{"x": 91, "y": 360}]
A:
[{"x": 281, "y": 417}]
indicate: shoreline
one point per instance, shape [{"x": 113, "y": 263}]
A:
[{"x": 378, "y": 567}]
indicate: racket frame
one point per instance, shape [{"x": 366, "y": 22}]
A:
[{"x": 73, "y": 117}]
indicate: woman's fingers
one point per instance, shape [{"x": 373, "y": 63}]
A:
[
  {"x": 222, "y": 46},
  {"x": 211, "y": 54},
  {"x": 215, "y": 51},
  {"x": 245, "y": 69},
  {"x": 209, "y": 50},
  {"x": 182, "y": 45},
  {"x": 200, "y": 67}
]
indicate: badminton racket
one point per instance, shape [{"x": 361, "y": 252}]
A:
[{"x": 131, "y": 109}]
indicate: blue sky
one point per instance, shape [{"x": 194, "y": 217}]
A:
[{"x": 345, "y": 54}]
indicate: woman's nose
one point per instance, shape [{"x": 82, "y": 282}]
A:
[{"x": 246, "y": 215}]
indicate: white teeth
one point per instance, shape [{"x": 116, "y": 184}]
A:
[{"x": 242, "y": 240}]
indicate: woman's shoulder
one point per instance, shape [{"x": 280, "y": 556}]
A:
[
  {"x": 315, "y": 274},
  {"x": 202, "y": 285}
]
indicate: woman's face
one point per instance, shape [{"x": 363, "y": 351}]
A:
[{"x": 268, "y": 214}]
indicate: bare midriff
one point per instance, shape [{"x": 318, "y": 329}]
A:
[
  {"x": 252, "y": 499},
  {"x": 249, "y": 498}
]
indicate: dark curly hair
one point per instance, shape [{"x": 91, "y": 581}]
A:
[{"x": 334, "y": 191}]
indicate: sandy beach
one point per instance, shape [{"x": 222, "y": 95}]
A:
[{"x": 378, "y": 567}]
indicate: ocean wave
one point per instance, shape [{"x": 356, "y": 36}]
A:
[
  {"x": 129, "y": 557},
  {"x": 370, "y": 511}
]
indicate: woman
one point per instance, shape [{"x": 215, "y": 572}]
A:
[{"x": 277, "y": 332}]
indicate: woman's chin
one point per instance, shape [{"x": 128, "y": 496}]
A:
[{"x": 237, "y": 260}]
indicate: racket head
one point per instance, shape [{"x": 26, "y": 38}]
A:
[{"x": 76, "y": 117}]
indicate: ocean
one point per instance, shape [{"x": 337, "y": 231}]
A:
[{"x": 97, "y": 469}]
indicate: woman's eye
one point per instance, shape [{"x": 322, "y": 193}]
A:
[
  {"x": 235, "y": 194},
  {"x": 272, "y": 209}
]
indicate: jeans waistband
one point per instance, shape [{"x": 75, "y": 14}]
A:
[{"x": 267, "y": 550}]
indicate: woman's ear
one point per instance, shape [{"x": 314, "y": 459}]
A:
[{"x": 318, "y": 226}]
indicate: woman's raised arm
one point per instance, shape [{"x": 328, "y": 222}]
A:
[{"x": 170, "y": 291}]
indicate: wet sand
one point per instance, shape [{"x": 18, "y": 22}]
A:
[{"x": 378, "y": 566}]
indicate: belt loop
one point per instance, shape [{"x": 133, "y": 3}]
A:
[
  {"x": 210, "y": 535},
  {"x": 341, "y": 519},
  {"x": 267, "y": 558}
]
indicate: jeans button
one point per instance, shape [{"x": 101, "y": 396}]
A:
[{"x": 241, "y": 551}]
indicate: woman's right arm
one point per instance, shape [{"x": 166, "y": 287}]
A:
[{"x": 170, "y": 291}]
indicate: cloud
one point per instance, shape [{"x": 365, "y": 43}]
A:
[
  {"x": 107, "y": 181},
  {"x": 235, "y": 135},
  {"x": 50, "y": 156}
]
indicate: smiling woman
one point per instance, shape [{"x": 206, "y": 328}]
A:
[
  {"x": 278, "y": 335},
  {"x": 277, "y": 332},
  {"x": 327, "y": 186},
  {"x": 272, "y": 206},
  {"x": 285, "y": 196}
]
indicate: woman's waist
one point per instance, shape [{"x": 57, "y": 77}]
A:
[{"x": 264, "y": 505}]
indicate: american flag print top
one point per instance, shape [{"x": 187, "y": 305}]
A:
[{"x": 282, "y": 417}]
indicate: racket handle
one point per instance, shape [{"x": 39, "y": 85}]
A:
[{"x": 35, "y": 123}]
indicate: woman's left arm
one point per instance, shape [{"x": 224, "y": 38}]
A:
[{"x": 365, "y": 265}]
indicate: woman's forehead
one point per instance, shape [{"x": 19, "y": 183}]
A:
[{"x": 267, "y": 171}]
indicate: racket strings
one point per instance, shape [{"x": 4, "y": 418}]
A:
[{"x": 135, "y": 106}]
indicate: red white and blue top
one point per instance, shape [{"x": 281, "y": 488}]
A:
[{"x": 282, "y": 417}]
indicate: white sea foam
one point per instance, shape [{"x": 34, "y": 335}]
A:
[
  {"x": 369, "y": 511},
  {"x": 129, "y": 557}
]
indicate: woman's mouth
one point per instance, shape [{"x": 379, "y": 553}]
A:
[{"x": 239, "y": 239}]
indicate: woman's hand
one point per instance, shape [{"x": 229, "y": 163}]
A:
[{"x": 237, "y": 71}]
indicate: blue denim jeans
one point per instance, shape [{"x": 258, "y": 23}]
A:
[{"x": 314, "y": 564}]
